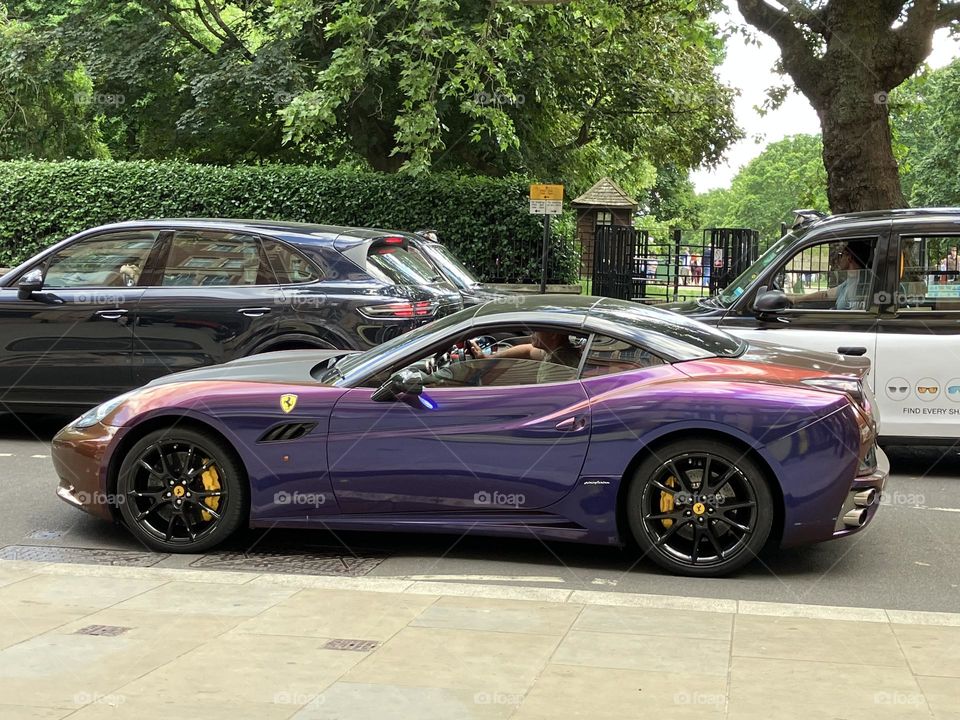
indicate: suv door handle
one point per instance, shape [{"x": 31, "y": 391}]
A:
[
  {"x": 572, "y": 424},
  {"x": 254, "y": 311},
  {"x": 114, "y": 314},
  {"x": 852, "y": 351}
]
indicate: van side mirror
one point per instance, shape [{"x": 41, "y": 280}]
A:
[
  {"x": 405, "y": 382},
  {"x": 771, "y": 302},
  {"x": 30, "y": 283}
]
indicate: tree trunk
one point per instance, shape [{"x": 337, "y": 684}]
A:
[{"x": 862, "y": 173}]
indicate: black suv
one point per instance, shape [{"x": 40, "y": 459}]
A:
[{"x": 117, "y": 306}]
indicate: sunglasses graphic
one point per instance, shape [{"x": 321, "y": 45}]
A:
[
  {"x": 953, "y": 389},
  {"x": 904, "y": 388},
  {"x": 932, "y": 390}
]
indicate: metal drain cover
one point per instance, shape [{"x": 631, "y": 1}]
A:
[
  {"x": 316, "y": 562},
  {"x": 355, "y": 645},
  {"x": 102, "y": 630},
  {"x": 81, "y": 556}
]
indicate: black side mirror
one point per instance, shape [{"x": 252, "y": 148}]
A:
[
  {"x": 405, "y": 382},
  {"x": 30, "y": 283},
  {"x": 771, "y": 302}
]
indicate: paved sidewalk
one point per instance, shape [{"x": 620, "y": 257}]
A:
[{"x": 85, "y": 641}]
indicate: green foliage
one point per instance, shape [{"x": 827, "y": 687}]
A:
[
  {"x": 44, "y": 101},
  {"x": 926, "y": 127},
  {"x": 485, "y": 221},
  {"x": 573, "y": 91},
  {"x": 787, "y": 175}
]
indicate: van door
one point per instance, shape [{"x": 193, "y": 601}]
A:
[{"x": 917, "y": 368}]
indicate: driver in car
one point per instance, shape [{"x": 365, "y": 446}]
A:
[
  {"x": 551, "y": 347},
  {"x": 851, "y": 293}
]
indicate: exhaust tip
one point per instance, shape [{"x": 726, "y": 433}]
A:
[
  {"x": 855, "y": 518},
  {"x": 865, "y": 498}
]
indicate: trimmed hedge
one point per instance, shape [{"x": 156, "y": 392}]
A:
[{"x": 485, "y": 221}]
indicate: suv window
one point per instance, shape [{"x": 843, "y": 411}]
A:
[
  {"x": 215, "y": 258},
  {"x": 929, "y": 273},
  {"x": 835, "y": 275},
  {"x": 113, "y": 260},
  {"x": 288, "y": 266},
  {"x": 398, "y": 265}
]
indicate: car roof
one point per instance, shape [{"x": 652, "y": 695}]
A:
[
  {"x": 896, "y": 217},
  {"x": 306, "y": 233}
]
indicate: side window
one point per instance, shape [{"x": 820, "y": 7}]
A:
[
  {"x": 497, "y": 358},
  {"x": 289, "y": 266},
  {"x": 836, "y": 275},
  {"x": 929, "y": 274},
  {"x": 215, "y": 258},
  {"x": 114, "y": 260},
  {"x": 609, "y": 355}
]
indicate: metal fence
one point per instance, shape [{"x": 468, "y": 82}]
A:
[{"x": 630, "y": 264}]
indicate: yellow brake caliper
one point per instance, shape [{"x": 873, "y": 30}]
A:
[
  {"x": 211, "y": 482},
  {"x": 666, "y": 501}
]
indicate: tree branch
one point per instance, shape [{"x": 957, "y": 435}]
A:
[
  {"x": 948, "y": 13},
  {"x": 816, "y": 20},
  {"x": 179, "y": 27},
  {"x": 234, "y": 40},
  {"x": 798, "y": 59},
  {"x": 910, "y": 44}
]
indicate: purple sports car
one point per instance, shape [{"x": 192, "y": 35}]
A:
[{"x": 565, "y": 418}]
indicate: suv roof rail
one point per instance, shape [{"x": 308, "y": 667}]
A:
[{"x": 806, "y": 216}]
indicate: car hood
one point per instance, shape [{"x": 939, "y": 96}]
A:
[{"x": 281, "y": 366}]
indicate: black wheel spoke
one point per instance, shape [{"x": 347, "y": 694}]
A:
[
  {"x": 665, "y": 516},
  {"x": 201, "y": 470},
  {"x": 697, "y": 538},
  {"x": 709, "y": 531},
  {"x": 725, "y": 479},
  {"x": 736, "y": 506},
  {"x": 169, "y": 532},
  {"x": 745, "y": 529},
  {"x": 208, "y": 493},
  {"x": 670, "y": 532},
  {"x": 188, "y": 461},
  {"x": 207, "y": 509},
  {"x": 680, "y": 476},
  {"x": 664, "y": 487},
  {"x": 153, "y": 508},
  {"x": 188, "y": 524},
  {"x": 705, "y": 482}
]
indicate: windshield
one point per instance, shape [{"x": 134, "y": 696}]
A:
[
  {"x": 739, "y": 286},
  {"x": 401, "y": 266},
  {"x": 348, "y": 363},
  {"x": 452, "y": 267}
]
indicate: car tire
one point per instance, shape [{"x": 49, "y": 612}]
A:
[
  {"x": 694, "y": 533},
  {"x": 180, "y": 490}
]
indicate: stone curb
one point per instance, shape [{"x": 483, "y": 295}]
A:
[{"x": 505, "y": 592}]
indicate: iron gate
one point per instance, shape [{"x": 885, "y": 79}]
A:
[{"x": 615, "y": 257}]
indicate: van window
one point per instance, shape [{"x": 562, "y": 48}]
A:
[
  {"x": 400, "y": 265},
  {"x": 835, "y": 275},
  {"x": 929, "y": 273}
]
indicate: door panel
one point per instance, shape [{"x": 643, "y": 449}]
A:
[
  {"x": 216, "y": 300},
  {"x": 68, "y": 346},
  {"x": 477, "y": 450}
]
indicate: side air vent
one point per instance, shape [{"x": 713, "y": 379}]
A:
[{"x": 286, "y": 431}]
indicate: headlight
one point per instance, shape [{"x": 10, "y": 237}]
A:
[
  {"x": 92, "y": 417},
  {"x": 847, "y": 385}
]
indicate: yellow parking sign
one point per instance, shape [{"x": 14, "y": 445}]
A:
[{"x": 546, "y": 199}]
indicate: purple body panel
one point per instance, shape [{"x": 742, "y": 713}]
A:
[{"x": 493, "y": 459}]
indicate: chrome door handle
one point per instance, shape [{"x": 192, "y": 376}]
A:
[
  {"x": 111, "y": 314},
  {"x": 254, "y": 311},
  {"x": 572, "y": 423}
]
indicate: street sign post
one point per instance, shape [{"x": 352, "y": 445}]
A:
[{"x": 545, "y": 200}]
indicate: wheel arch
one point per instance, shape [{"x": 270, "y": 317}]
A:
[
  {"x": 648, "y": 449},
  {"x": 158, "y": 422},
  {"x": 323, "y": 340}
]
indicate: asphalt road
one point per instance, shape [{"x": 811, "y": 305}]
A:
[{"x": 906, "y": 559}]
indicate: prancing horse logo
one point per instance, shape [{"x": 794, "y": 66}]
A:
[{"x": 288, "y": 402}]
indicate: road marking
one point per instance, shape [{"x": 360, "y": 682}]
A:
[
  {"x": 6, "y": 454},
  {"x": 938, "y": 509},
  {"x": 39, "y": 456}
]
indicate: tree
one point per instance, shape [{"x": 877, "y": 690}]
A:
[
  {"x": 926, "y": 129},
  {"x": 787, "y": 175},
  {"x": 846, "y": 56},
  {"x": 44, "y": 101}
]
